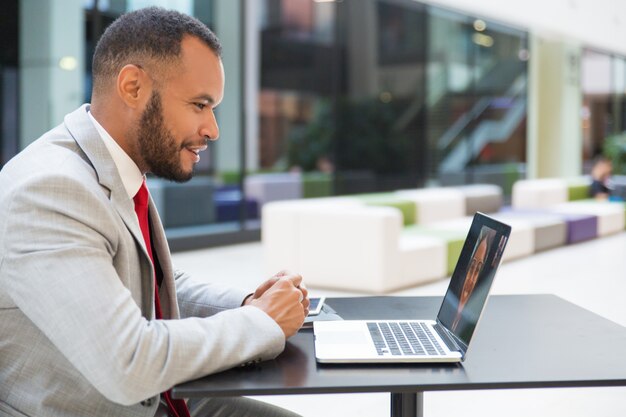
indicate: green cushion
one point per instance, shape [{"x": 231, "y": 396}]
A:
[
  {"x": 454, "y": 241},
  {"x": 317, "y": 184},
  {"x": 407, "y": 208},
  {"x": 577, "y": 192},
  {"x": 230, "y": 177},
  {"x": 511, "y": 175}
]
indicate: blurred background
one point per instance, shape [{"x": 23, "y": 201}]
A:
[{"x": 344, "y": 97}]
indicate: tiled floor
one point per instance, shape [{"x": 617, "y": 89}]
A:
[{"x": 590, "y": 274}]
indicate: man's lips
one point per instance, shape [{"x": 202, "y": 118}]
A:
[{"x": 196, "y": 149}]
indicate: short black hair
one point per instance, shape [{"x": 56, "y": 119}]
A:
[{"x": 152, "y": 33}]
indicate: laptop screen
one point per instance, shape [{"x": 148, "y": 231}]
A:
[{"x": 473, "y": 276}]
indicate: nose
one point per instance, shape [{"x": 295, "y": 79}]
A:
[{"x": 209, "y": 127}]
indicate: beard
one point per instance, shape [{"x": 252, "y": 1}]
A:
[{"x": 157, "y": 145}]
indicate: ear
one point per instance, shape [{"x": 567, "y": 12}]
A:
[{"x": 133, "y": 86}]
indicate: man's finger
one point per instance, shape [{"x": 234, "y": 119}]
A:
[{"x": 295, "y": 279}]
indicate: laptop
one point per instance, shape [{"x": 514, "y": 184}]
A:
[{"x": 445, "y": 339}]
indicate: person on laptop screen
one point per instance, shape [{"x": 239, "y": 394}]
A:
[
  {"x": 468, "y": 297},
  {"x": 477, "y": 262}
]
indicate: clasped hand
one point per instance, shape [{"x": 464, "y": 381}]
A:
[{"x": 284, "y": 298}]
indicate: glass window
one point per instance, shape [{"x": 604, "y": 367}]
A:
[
  {"x": 9, "y": 49},
  {"x": 477, "y": 78},
  {"x": 341, "y": 89},
  {"x": 604, "y": 106},
  {"x": 619, "y": 94},
  {"x": 397, "y": 95},
  {"x": 330, "y": 98}
]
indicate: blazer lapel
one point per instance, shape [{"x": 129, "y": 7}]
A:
[
  {"x": 87, "y": 137},
  {"x": 167, "y": 293}
]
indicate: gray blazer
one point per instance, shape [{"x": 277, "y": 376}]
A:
[{"x": 77, "y": 329}]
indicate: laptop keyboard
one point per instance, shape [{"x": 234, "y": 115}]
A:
[{"x": 404, "y": 338}]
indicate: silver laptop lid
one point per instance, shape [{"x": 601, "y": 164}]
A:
[{"x": 471, "y": 281}]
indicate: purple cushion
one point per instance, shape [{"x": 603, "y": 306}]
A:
[
  {"x": 579, "y": 226},
  {"x": 227, "y": 206}
]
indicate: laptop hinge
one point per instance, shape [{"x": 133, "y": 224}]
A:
[{"x": 443, "y": 333}]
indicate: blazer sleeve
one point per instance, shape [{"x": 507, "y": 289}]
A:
[
  {"x": 198, "y": 298},
  {"x": 57, "y": 267}
]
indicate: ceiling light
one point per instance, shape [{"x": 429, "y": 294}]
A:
[
  {"x": 68, "y": 63},
  {"x": 482, "y": 40},
  {"x": 385, "y": 97},
  {"x": 480, "y": 25}
]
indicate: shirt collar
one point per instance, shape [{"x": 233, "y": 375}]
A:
[{"x": 132, "y": 178}]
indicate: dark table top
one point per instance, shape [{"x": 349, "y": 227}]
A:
[{"x": 523, "y": 341}]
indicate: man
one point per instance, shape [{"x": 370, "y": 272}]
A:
[
  {"x": 601, "y": 175},
  {"x": 477, "y": 263},
  {"x": 82, "y": 330}
]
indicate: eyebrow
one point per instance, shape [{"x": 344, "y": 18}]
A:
[{"x": 205, "y": 97}]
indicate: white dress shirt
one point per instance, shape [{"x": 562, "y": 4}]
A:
[{"x": 127, "y": 168}]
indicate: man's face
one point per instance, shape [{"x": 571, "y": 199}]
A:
[
  {"x": 476, "y": 265},
  {"x": 159, "y": 148},
  {"x": 179, "y": 118}
]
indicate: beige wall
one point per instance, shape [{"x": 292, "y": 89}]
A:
[{"x": 554, "y": 142}]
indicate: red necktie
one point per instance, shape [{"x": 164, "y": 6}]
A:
[{"x": 178, "y": 408}]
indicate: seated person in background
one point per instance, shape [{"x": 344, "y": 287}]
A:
[{"x": 600, "y": 174}]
